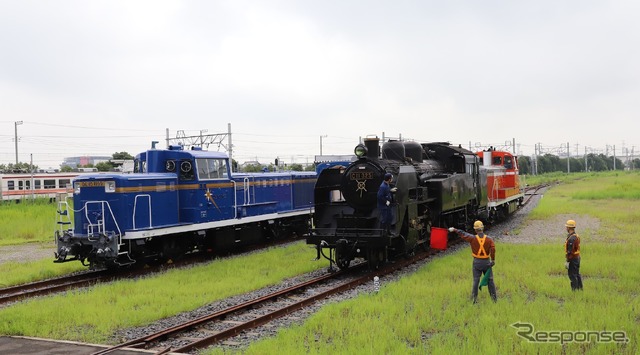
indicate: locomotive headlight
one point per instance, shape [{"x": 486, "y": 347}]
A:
[
  {"x": 110, "y": 186},
  {"x": 360, "y": 150},
  {"x": 76, "y": 189}
]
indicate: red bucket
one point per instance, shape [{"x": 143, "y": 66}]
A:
[{"x": 439, "y": 238}]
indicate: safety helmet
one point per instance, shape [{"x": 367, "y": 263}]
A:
[
  {"x": 478, "y": 225},
  {"x": 570, "y": 224},
  {"x": 387, "y": 176}
]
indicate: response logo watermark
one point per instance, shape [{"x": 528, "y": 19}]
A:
[{"x": 527, "y": 331}]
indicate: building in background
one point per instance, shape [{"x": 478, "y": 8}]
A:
[{"x": 75, "y": 162}]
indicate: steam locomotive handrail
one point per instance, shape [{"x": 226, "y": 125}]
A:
[{"x": 135, "y": 205}]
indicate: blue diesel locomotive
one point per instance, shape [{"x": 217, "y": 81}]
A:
[{"x": 178, "y": 201}]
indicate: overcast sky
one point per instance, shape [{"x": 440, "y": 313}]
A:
[{"x": 98, "y": 77}]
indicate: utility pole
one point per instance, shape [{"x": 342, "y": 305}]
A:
[
  {"x": 614, "y": 157},
  {"x": 31, "y": 186},
  {"x": 539, "y": 152},
  {"x": 230, "y": 149},
  {"x": 201, "y": 139},
  {"x": 568, "y": 159},
  {"x": 324, "y": 136},
  {"x": 585, "y": 160},
  {"x": 16, "y": 127}
]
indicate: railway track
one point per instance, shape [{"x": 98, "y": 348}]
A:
[
  {"x": 215, "y": 327},
  {"x": 531, "y": 191},
  {"x": 89, "y": 278},
  {"x": 39, "y": 288}
]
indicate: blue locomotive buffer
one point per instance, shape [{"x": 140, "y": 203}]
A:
[{"x": 177, "y": 202}]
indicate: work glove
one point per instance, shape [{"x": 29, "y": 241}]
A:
[
  {"x": 388, "y": 203},
  {"x": 451, "y": 229},
  {"x": 492, "y": 263},
  {"x": 566, "y": 265},
  {"x": 394, "y": 189}
]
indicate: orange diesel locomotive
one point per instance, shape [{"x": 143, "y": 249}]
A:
[{"x": 504, "y": 192}]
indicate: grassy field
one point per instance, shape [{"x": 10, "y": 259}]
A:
[
  {"x": 16, "y": 273},
  {"x": 30, "y": 224},
  {"x": 27, "y": 222},
  {"x": 427, "y": 312},
  {"x": 93, "y": 314},
  {"x": 430, "y": 312}
]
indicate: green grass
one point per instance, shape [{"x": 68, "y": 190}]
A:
[
  {"x": 427, "y": 312},
  {"x": 16, "y": 273},
  {"x": 27, "y": 222},
  {"x": 93, "y": 314},
  {"x": 430, "y": 311}
]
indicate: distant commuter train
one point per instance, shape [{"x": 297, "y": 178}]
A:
[
  {"x": 438, "y": 185},
  {"x": 22, "y": 185},
  {"x": 178, "y": 201}
]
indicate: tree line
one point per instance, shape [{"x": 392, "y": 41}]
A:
[
  {"x": 549, "y": 163},
  {"x": 110, "y": 165}
]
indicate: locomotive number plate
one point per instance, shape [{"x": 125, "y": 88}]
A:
[
  {"x": 90, "y": 183},
  {"x": 364, "y": 175}
]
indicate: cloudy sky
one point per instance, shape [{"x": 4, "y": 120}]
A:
[{"x": 98, "y": 77}]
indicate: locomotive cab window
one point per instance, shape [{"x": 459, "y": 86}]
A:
[
  {"x": 211, "y": 169},
  {"x": 457, "y": 164},
  {"x": 497, "y": 161},
  {"x": 139, "y": 166},
  {"x": 508, "y": 162}
]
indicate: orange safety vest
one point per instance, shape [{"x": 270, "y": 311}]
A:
[
  {"x": 567, "y": 242},
  {"x": 482, "y": 253}
]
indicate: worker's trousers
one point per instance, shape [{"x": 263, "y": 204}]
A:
[{"x": 480, "y": 266}]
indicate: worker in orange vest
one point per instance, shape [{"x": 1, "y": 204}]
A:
[
  {"x": 572, "y": 254},
  {"x": 483, "y": 250}
]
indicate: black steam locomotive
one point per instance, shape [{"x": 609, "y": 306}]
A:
[{"x": 438, "y": 185}]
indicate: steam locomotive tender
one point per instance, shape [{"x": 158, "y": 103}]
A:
[
  {"x": 178, "y": 201},
  {"x": 438, "y": 185}
]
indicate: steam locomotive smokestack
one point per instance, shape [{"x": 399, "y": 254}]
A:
[{"x": 373, "y": 148}]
